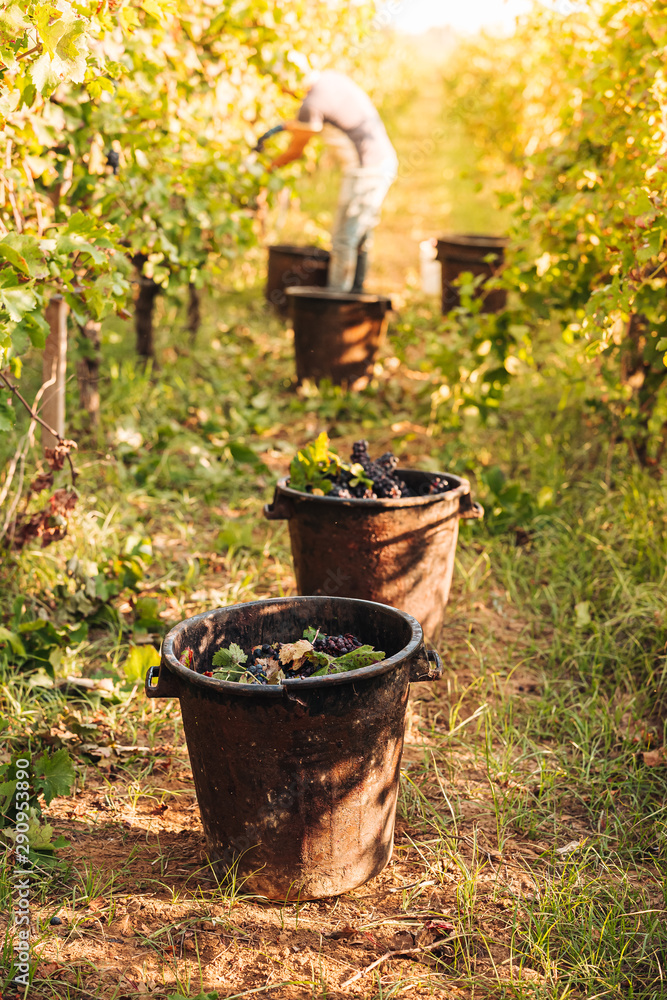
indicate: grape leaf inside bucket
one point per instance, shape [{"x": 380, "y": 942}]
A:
[{"x": 315, "y": 654}]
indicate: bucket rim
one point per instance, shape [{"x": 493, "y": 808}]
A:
[
  {"x": 289, "y": 688},
  {"x": 301, "y": 251},
  {"x": 334, "y": 295},
  {"x": 474, "y": 240},
  {"x": 393, "y": 503}
]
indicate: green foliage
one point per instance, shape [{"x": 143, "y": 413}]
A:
[
  {"x": 314, "y": 466},
  {"x": 294, "y": 656},
  {"x": 146, "y": 615},
  {"x": 139, "y": 659},
  {"x": 29, "y": 645},
  {"x": 50, "y": 775},
  {"x": 54, "y": 775},
  {"x": 179, "y": 97},
  {"x": 230, "y": 662},
  {"x": 363, "y": 656},
  {"x": 90, "y": 588},
  {"x": 475, "y": 354},
  {"x": 509, "y": 507},
  {"x": 37, "y": 644},
  {"x": 586, "y": 146}
]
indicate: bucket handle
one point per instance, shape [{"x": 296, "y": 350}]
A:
[
  {"x": 470, "y": 509},
  {"x": 280, "y": 508},
  {"x": 166, "y": 686},
  {"x": 432, "y": 673}
]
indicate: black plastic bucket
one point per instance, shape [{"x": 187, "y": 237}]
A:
[
  {"x": 469, "y": 252},
  {"x": 337, "y": 335},
  {"x": 288, "y": 266},
  {"x": 296, "y": 783},
  {"x": 399, "y": 552}
]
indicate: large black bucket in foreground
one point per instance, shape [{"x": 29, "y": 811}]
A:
[{"x": 296, "y": 783}]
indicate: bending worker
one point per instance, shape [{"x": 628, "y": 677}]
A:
[{"x": 345, "y": 116}]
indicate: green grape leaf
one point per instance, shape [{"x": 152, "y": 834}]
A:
[
  {"x": 243, "y": 454},
  {"x": 314, "y": 466},
  {"x": 639, "y": 203},
  {"x": 13, "y": 23},
  {"x": 54, "y": 774},
  {"x": 44, "y": 74},
  {"x": 138, "y": 661},
  {"x": 74, "y": 243},
  {"x": 234, "y": 672},
  {"x": 360, "y": 477},
  {"x": 363, "y": 656},
  {"x": 7, "y": 420},
  {"x": 7, "y": 793},
  {"x": 9, "y": 101},
  {"x": 24, "y": 253},
  {"x": 11, "y": 638},
  {"x": 232, "y": 657},
  {"x": 39, "y": 835},
  {"x": 18, "y": 302}
]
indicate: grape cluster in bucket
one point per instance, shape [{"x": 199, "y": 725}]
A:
[
  {"x": 313, "y": 655},
  {"x": 319, "y": 471}
]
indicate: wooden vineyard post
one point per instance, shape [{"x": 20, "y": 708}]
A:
[
  {"x": 143, "y": 316},
  {"x": 88, "y": 371},
  {"x": 54, "y": 371},
  {"x": 194, "y": 311}
]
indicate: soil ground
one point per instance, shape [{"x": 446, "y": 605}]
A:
[{"x": 148, "y": 915}]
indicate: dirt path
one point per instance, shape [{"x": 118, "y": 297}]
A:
[{"x": 143, "y": 914}]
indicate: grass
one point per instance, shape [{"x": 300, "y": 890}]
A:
[{"x": 530, "y": 815}]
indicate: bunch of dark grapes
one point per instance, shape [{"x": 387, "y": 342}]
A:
[
  {"x": 387, "y": 463},
  {"x": 304, "y": 671},
  {"x": 336, "y": 645},
  {"x": 381, "y": 471},
  {"x": 386, "y": 487},
  {"x": 386, "y": 483},
  {"x": 438, "y": 485},
  {"x": 265, "y": 652},
  {"x": 113, "y": 160},
  {"x": 342, "y": 492},
  {"x": 360, "y": 455}
]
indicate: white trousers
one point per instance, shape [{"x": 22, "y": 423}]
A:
[{"x": 361, "y": 195}]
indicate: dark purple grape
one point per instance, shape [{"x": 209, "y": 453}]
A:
[
  {"x": 439, "y": 485},
  {"x": 360, "y": 455},
  {"x": 336, "y": 645},
  {"x": 387, "y": 462},
  {"x": 340, "y": 491},
  {"x": 382, "y": 472},
  {"x": 387, "y": 487}
]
